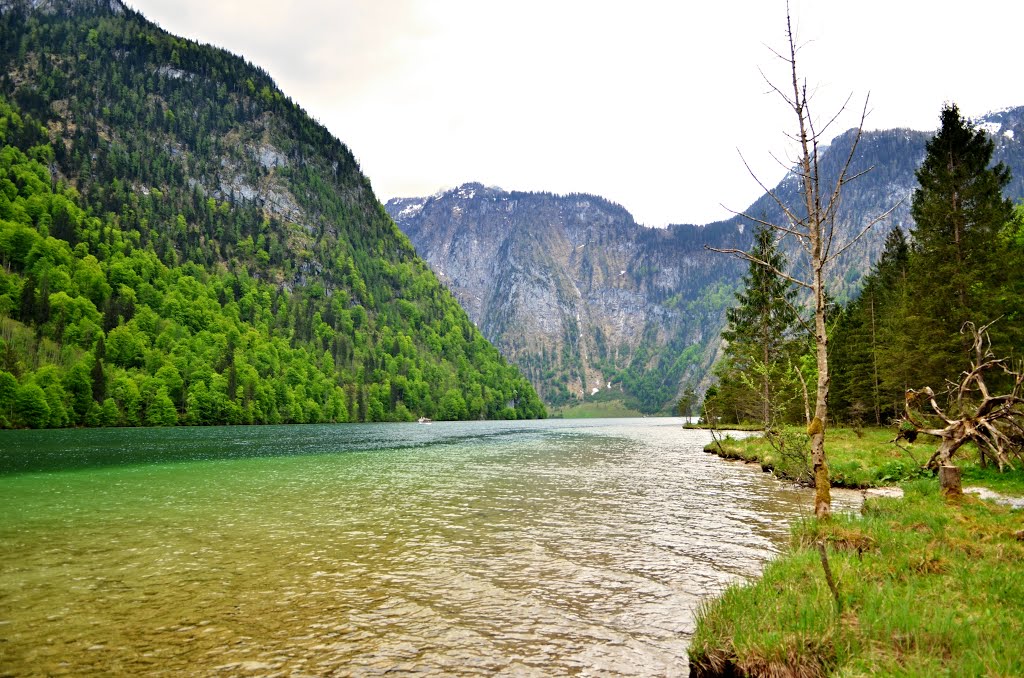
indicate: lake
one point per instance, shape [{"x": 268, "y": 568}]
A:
[{"x": 518, "y": 548}]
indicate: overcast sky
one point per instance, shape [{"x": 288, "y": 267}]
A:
[{"x": 643, "y": 102}]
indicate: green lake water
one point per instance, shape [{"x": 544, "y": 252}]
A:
[{"x": 536, "y": 548}]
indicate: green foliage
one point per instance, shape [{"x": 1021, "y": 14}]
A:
[
  {"x": 959, "y": 262},
  {"x": 872, "y": 355},
  {"x": 858, "y": 458},
  {"x": 756, "y": 377},
  {"x": 158, "y": 286},
  {"x": 31, "y": 408},
  {"x": 965, "y": 263},
  {"x": 687, "y": 404}
]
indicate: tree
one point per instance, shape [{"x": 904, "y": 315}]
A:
[
  {"x": 452, "y": 406},
  {"x": 960, "y": 211},
  {"x": 684, "y": 407},
  {"x": 97, "y": 374},
  {"x": 31, "y": 407},
  {"x": 811, "y": 224},
  {"x": 109, "y": 293},
  {"x": 870, "y": 347},
  {"x": 8, "y": 390},
  {"x": 109, "y": 414},
  {"x": 760, "y": 328},
  {"x": 160, "y": 411}
]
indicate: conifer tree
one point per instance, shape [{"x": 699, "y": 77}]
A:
[
  {"x": 955, "y": 271},
  {"x": 870, "y": 340},
  {"x": 760, "y": 329}
]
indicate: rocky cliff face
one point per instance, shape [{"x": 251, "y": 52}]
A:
[
  {"x": 592, "y": 305},
  {"x": 574, "y": 291}
]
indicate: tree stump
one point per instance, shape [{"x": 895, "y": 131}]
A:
[{"x": 949, "y": 481}]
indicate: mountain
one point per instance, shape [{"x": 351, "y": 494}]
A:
[
  {"x": 183, "y": 243},
  {"x": 593, "y": 306},
  {"x": 586, "y": 301}
]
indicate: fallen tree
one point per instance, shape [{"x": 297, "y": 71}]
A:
[{"x": 995, "y": 423}]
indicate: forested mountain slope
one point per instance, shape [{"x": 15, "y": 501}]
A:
[
  {"x": 579, "y": 295},
  {"x": 182, "y": 243}
]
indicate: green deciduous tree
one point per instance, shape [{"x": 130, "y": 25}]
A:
[
  {"x": 31, "y": 408},
  {"x": 8, "y": 391},
  {"x": 160, "y": 411},
  {"x": 452, "y": 406},
  {"x": 136, "y": 280}
]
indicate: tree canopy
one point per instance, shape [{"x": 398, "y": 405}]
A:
[{"x": 180, "y": 243}]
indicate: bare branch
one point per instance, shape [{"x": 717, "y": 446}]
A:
[
  {"x": 977, "y": 421},
  {"x": 801, "y": 237},
  {"x": 906, "y": 450},
  {"x": 769, "y": 224},
  {"x": 747, "y": 256},
  {"x": 772, "y": 87},
  {"x": 864, "y": 231},
  {"x": 842, "y": 109},
  {"x": 833, "y": 202},
  {"x": 800, "y": 319},
  {"x": 926, "y": 392}
]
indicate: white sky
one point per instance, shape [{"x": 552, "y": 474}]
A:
[{"x": 644, "y": 102}]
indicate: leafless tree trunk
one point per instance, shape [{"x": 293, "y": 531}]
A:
[
  {"x": 812, "y": 225},
  {"x": 876, "y": 388},
  {"x": 807, "y": 399},
  {"x": 766, "y": 388}
]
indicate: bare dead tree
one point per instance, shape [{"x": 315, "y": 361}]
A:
[
  {"x": 811, "y": 223},
  {"x": 995, "y": 423}
]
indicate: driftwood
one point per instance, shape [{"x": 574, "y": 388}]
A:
[{"x": 995, "y": 423}]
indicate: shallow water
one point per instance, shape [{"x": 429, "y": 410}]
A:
[{"x": 537, "y": 548}]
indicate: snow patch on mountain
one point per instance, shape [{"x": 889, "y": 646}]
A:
[
  {"x": 990, "y": 128},
  {"x": 411, "y": 210}
]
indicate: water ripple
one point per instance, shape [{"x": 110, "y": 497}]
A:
[{"x": 545, "y": 548}]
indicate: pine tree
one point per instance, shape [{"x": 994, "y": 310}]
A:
[
  {"x": 955, "y": 271},
  {"x": 869, "y": 341},
  {"x": 760, "y": 329}
]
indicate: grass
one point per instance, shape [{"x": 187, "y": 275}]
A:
[
  {"x": 927, "y": 586},
  {"x": 731, "y": 427},
  {"x": 855, "y": 460},
  {"x": 596, "y": 410}
]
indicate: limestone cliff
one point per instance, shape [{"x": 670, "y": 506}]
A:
[{"x": 574, "y": 291}]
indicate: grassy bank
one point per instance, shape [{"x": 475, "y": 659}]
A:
[
  {"x": 927, "y": 586},
  {"x": 856, "y": 460},
  {"x": 731, "y": 427}
]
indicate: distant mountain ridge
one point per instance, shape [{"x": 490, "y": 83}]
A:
[
  {"x": 592, "y": 305},
  {"x": 573, "y": 290}
]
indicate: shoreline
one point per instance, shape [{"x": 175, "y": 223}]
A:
[{"x": 917, "y": 585}]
